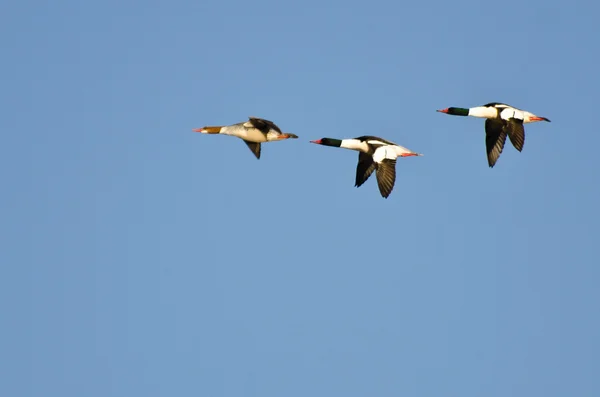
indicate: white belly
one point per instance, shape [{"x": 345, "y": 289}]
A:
[{"x": 247, "y": 134}]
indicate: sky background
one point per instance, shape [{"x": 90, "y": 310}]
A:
[{"x": 141, "y": 259}]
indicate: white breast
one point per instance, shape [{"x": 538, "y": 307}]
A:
[
  {"x": 355, "y": 144},
  {"x": 249, "y": 134},
  {"x": 483, "y": 111}
]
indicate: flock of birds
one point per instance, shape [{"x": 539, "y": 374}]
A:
[{"x": 379, "y": 155}]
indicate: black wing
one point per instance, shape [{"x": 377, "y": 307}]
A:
[
  {"x": 263, "y": 125},
  {"x": 365, "y": 138},
  {"x": 495, "y": 136},
  {"x": 254, "y": 147},
  {"x": 386, "y": 176},
  {"x": 493, "y": 104},
  {"x": 516, "y": 132},
  {"x": 364, "y": 168}
]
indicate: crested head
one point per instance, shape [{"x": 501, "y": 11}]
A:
[
  {"x": 455, "y": 111},
  {"x": 328, "y": 142}
]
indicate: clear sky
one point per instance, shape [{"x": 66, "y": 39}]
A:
[{"x": 141, "y": 259}]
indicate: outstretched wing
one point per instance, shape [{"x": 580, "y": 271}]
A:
[
  {"x": 516, "y": 132},
  {"x": 386, "y": 176},
  {"x": 254, "y": 147},
  {"x": 364, "y": 168},
  {"x": 495, "y": 136}
]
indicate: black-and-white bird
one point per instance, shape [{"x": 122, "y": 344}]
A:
[
  {"x": 375, "y": 154},
  {"x": 501, "y": 120}
]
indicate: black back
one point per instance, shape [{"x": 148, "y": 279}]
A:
[
  {"x": 493, "y": 104},
  {"x": 365, "y": 138},
  {"x": 263, "y": 125}
]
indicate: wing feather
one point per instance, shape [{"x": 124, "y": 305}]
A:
[
  {"x": 495, "y": 136},
  {"x": 263, "y": 125},
  {"x": 386, "y": 176},
  {"x": 254, "y": 147},
  {"x": 516, "y": 132},
  {"x": 364, "y": 168}
]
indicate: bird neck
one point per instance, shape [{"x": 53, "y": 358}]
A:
[
  {"x": 354, "y": 144},
  {"x": 458, "y": 111},
  {"x": 488, "y": 112},
  {"x": 331, "y": 142}
]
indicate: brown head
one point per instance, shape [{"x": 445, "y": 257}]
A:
[{"x": 208, "y": 130}]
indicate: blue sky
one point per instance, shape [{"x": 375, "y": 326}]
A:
[{"x": 142, "y": 259}]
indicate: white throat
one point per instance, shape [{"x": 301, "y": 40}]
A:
[
  {"x": 355, "y": 144},
  {"x": 483, "y": 111}
]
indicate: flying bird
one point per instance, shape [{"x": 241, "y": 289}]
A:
[
  {"x": 501, "y": 120},
  {"x": 375, "y": 154},
  {"x": 253, "y": 132}
]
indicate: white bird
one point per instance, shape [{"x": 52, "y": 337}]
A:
[
  {"x": 501, "y": 120},
  {"x": 253, "y": 132},
  {"x": 375, "y": 154}
]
